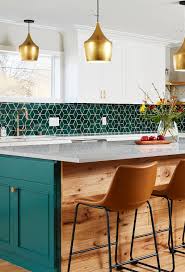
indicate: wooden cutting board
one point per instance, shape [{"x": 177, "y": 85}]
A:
[{"x": 139, "y": 142}]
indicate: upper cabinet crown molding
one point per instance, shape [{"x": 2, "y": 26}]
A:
[{"x": 114, "y": 34}]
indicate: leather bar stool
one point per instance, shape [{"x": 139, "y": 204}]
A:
[
  {"x": 130, "y": 188},
  {"x": 173, "y": 191}
]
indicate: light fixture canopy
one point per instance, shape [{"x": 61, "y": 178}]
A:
[
  {"x": 98, "y": 47},
  {"x": 179, "y": 56},
  {"x": 29, "y": 51}
]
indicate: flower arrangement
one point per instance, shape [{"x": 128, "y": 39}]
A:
[{"x": 165, "y": 111}]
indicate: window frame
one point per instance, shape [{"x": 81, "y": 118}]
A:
[{"x": 56, "y": 92}]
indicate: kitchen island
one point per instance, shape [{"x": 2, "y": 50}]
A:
[{"x": 39, "y": 185}]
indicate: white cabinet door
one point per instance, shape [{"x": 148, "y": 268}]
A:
[
  {"x": 111, "y": 81},
  {"x": 89, "y": 82},
  {"x": 101, "y": 82},
  {"x": 145, "y": 64}
]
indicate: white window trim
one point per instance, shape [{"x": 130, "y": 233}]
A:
[{"x": 55, "y": 97}]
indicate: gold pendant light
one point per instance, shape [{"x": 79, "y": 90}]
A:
[
  {"x": 98, "y": 47},
  {"x": 29, "y": 51},
  {"x": 179, "y": 56}
]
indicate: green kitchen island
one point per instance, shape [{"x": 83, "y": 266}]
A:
[
  {"x": 38, "y": 187},
  {"x": 30, "y": 213}
]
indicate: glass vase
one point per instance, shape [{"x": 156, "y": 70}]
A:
[{"x": 169, "y": 130}]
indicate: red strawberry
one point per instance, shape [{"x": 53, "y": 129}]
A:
[
  {"x": 160, "y": 138},
  {"x": 152, "y": 138},
  {"x": 144, "y": 138}
]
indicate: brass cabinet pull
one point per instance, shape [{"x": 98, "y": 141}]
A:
[
  {"x": 13, "y": 190},
  {"x": 103, "y": 94}
]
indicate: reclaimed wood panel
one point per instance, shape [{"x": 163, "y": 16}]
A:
[{"x": 91, "y": 179}]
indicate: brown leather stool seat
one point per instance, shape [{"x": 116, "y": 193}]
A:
[
  {"x": 161, "y": 190},
  {"x": 93, "y": 200},
  {"x": 130, "y": 188}
]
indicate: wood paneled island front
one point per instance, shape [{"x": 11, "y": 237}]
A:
[{"x": 86, "y": 170}]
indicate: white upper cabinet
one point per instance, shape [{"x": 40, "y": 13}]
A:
[
  {"x": 135, "y": 63},
  {"x": 145, "y": 65},
  {"x": 101, "y": 82}
]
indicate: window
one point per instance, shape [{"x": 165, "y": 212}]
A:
[{"x": 25, "y": 79}]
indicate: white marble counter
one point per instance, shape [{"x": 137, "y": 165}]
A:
[{"x": 81, "y": 152}]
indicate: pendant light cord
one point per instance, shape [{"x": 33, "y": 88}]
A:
[
  {"x": 98, "y": 11},
  {"x": 28, "y": 28}
]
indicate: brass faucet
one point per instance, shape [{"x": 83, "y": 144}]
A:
[{"x": 18, "y": 120}]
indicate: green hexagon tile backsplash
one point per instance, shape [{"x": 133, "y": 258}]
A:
[{"x": 76, "y": 119}]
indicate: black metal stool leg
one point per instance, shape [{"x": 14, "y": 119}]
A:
[
  {"x": 73, "y": 236},
  {"x": 133, "y": 235},
  {"x": 171, "y": 234},
  {"x": 117, "y": 238},
  {"x": 155, "y": 244},
  {"x": 183, "y": 235},
  {"x": 109, "y": 240},
  {"x": 154, "y": 235}
]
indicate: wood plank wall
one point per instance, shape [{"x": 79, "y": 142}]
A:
[{"x": 90, "y": 179}]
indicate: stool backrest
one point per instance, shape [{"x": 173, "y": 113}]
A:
[
  {"x": 131, "y": 187},
  {"x": 176, "y": 188}
]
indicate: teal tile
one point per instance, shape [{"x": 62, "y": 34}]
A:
[{"x": 76, "y": 119}]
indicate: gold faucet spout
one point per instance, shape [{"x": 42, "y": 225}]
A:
[{"x": 18, "y": 120}]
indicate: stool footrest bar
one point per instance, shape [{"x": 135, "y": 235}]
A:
[
  {"x": 136, "y": 260},
  {"x": 179, "y": 251},
  {"x": 92, "y": 248},
  {"x": 128, "y": 269},
  {"x": 179, "y": 246},
  {"x": 153, "y": 267},
  {"x": 150, "y": 233}
]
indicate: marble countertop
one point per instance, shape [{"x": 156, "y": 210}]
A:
[
  {"x": 57, "y": 139},
  {"x": 81, "y": 152}
]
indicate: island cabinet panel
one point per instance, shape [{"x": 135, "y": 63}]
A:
[
  {"x": 32, "y": 222},
  {"x": 91, "y": 179},
  {"x": 33, "y": 217},
  {"x": 5, "y": 215},
  {"x": 40, "y": 171},
  {"x": 29, "y": 214}
]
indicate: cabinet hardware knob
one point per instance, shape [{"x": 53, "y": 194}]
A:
[{"x": 13, "y": 190}]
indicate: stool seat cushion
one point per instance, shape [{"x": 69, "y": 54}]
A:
[
  {"x": 161, "y": 190},
  {"x": 91, "y": 200}
]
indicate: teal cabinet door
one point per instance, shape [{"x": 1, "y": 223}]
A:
[
  {"x": 34, "y": 224},
  {"x": 5, "y": 231}
]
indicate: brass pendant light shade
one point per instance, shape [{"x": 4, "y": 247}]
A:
[
  {"x": 98, "y": 47},
  {"x": 179, "y": 59},
  {"x": 29, "y": 51},
  {"x": 179, "y": 56}
]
